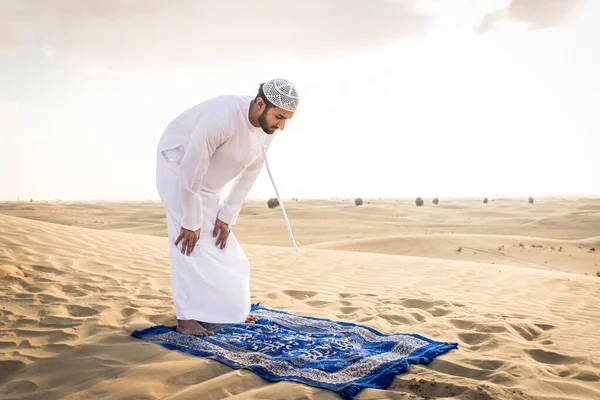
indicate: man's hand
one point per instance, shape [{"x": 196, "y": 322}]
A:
[
  {"x": 190, "y": 238},
  {"x": 224, "y": 228}
]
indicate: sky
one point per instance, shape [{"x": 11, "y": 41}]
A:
[{"x": 399, "y": 98}]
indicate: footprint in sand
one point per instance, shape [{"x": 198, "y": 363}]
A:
[
  {"x": 25, "y": 344},
  {"x": 477, "y": 326},
  {"x": 439, "y": 312},
  {"x": 81, "y": 311},
  {"x": 51, "y": 321},
  {"x": 527, "y": 331},
  {"x": 47, "y": 270},
  {"x": 6, "y": 345},
  {"x": 490, "y": 365},
  {"x": 20, "y": 387},
  {"x": 430, "y": 388},
  {"x": 550, "y": 357},
  {"x": 128, "y": 312},
  {"x": 318, "y": 303},
  {"x": 73, "y": 291},
  {"x": 24, "y": 322},
  {"x": 422, "y": 304},
  {"x": 24, "y": 296},
  {"x": 396, "y": 319},
  {"x": 146, "y": 297},
  {"x": 417, "y": 316},
  {"x": 349, "y": 310},
  {"x": 474, "y": 338},
  {"x": 9, "y": 271},
  {"x": 545, "y": 327},
  {"x": 35, "y": 289},
  {"x": 57, "y": 347},
  {"x": 587, "y": 376},
  {"x": 8, "y": 368},
  {"x": 48, "y": 298},
  {"x": 300, "y": 294}
]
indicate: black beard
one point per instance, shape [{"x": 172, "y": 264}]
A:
[{"x": 262, "y": 121}]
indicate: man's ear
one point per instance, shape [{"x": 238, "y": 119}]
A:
[{"x": 260, "y": 103}]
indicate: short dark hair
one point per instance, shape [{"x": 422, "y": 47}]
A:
[{"x": 261, "y": 94}]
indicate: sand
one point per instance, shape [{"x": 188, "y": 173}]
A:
[{"x": 514, "y": 283}]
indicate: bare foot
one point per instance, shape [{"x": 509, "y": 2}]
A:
[
  {"x": 192, "y": 328},
  {"x": 251, "y": 319}
]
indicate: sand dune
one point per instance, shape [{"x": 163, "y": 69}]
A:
[
  {"x": 550, "y": 254},
  {"x": 72, "y": 292}
]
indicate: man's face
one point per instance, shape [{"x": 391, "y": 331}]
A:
[{"x": 274, "y": 118}]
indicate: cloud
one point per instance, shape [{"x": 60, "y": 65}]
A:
[
  {"x": 202, "y": 32},
  {"x": 538, "y": 14}
]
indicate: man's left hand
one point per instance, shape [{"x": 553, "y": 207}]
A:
[{"x": 224, "y": 228}]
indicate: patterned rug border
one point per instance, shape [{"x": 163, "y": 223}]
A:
[{"x": 381, "y": 378}]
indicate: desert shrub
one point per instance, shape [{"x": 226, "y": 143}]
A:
[
  {"x": 419, "y": 201},
  {"x": 436, "y": 201},
  {"x": 485, "y": 200},
  {"x": 31, "y": 200},
  {"x": 273, "y": 202},
  {"x": 531, "y": 200},
  {"x": 358, "y": 201}
]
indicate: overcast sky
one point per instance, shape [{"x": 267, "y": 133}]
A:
[{"x": 399, "y": 98}]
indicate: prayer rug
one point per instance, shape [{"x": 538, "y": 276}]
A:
[{"x": 340, "y": 356}]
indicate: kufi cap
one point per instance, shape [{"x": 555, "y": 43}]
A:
[{"x": 282, "y": 93}]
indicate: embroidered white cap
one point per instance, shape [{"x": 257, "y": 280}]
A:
[{"x": 282, "y": 93}]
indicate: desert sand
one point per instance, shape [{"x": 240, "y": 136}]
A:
[{"x": 516, "y": 284}]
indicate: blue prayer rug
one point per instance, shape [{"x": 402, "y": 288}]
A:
[{"x": 340, "y": 356}]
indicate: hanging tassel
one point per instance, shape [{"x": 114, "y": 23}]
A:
[{"x": 280, "y": 203}]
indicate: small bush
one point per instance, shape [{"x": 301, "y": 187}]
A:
[
  {"x": 419, "y": 202},
  {"x": 358, "y": 201},
  {"x": 273, "y": 202},
  {"x": 531, "y": 200},
  {"x": 436, "y": 201},
  {"x": 485, "y": 200},
  {"x": 459, "y": 249},
  {"x": 31, "y": 200}
]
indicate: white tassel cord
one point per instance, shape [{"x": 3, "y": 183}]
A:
[{"x": 281, "y": 204}]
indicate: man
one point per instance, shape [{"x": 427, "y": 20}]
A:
[{"x": 221, "y": 140}]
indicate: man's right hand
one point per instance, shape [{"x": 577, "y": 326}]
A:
[{"x": 190, "y": 238}]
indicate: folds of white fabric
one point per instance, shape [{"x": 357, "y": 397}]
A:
[{"x": 212, "y": 284}]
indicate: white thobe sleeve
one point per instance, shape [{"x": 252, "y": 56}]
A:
[
  {"x": 203, "y": 142},
  {"x": 231, "y": 207}
]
